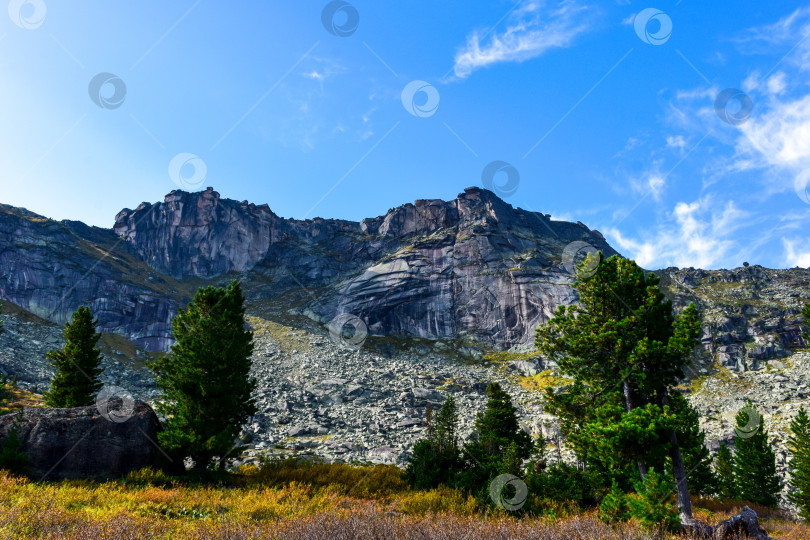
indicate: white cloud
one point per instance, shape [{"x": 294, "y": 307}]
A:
[
  {"x": 649, "y": 183},
  {"x": 677, "y": 141},
  {"x": 777, "y": 84},
  {"x": 696, "y": 234},
  {"x": 656, "y": 184},
  {"x": 779, "y": 139},
  {"x": 533, "y": 28},
  {"x": 793, "y": 257}
]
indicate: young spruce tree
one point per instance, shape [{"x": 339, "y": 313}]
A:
[
  {"x": 755, "y": 474},
  {"x": 724, "y": 472},
  {"x": 78, "y": 364},
  {"x": 799, "y": 444},
  {"x": 499, "y": 444},
  {"x": 205, "y": 379},
  {"x": 435, "y": 460}
]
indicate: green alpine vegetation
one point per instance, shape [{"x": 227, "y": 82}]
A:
[
  {"x": 724, "y": 470},
  {"x": 77, "y": 364},
  {"x": 498, "y": 446},
  {"x": 205, "y": 380},
  {"x": 799, "y": 445},
  {"x": 755, "y": 476},
  {"x": 435, "y": 460},
  {"x": 625, "y": 350}
]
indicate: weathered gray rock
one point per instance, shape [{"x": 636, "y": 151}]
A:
[
  {"x": 424, "y": 394},
  {"x": 743, "y": 524},
  {"x": 83, "y": 443},
  {"x": 50, "y": 268},
  {"x": 473, "y": 267}
]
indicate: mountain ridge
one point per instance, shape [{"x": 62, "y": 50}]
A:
[{"x": 480, "y": 269}]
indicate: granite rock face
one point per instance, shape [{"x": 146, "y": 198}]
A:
[
  {"x": 751, "y": 315},
  {"x": 84, "y": 443},
  {"x": 50, "y": 268},
  {"x": 472, "y": 268}
]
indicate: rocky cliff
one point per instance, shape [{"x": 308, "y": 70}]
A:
[
  {"x": 471, "y": 268},
  {"x": 50, "y": 268}
]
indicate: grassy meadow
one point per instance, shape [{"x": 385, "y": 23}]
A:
[{"x": 294, "y": 499}]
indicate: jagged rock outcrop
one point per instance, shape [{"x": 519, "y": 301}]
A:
[
  {"x": 472, "y": 268},
  {"x": 751, "y": 315},
  {"x": 50, "y": 268},
  {"x": 101, "y": 441}
]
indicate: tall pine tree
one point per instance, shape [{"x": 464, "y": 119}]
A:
[
  {"x": 78, "y": 364},
  {"x": 622, "y": 345},
  {"x": 696, "y": 457},
  {"x": 799, "y": 444},
  {"x": 755, "y": 476},
  {"x": 205, "y": 379}
]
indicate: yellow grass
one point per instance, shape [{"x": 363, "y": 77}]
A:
[{"x": 255, "y": 504}]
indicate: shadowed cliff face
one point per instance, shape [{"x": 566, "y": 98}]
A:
[
  {"x": 473, "y": 267},
  {"x": 50, "y": 268}
]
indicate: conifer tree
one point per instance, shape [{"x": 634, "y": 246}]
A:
[
  {"x": 498, "y": 425},
  {"x": 622, "y": 345},
  {"x": 755, "y": 476},
  {"x": 205, "y": 379},
  {"x": 488, "y": 454},
  {"x": 724, "y": 472},
  {"x": 77, "y": 364},
  {"x": 435, "y": 460},
  {"x": 799, "y": 444}
]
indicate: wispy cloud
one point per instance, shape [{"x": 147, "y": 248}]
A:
[
  {"x": 796, "y": 256},
  {"x": 532, "y": 29},
  {"x": 791, "y": 29},
  {"x": 698, "y": 234}
]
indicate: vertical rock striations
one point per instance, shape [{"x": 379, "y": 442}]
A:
[{"x": 474, "y": 267}]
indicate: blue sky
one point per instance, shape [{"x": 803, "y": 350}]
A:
[{"x": 601, "y": 112}]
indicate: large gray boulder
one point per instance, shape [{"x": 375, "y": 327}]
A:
[{"x": 106, "y": 440}]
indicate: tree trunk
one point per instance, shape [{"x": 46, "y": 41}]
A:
[
  {"x": 628, "y": 401},
  {"x": 678, "y": 471}
]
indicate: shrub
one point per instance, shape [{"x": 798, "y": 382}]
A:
[
  {"x": 563, "y": 482},
  {"x": 652, "y": 503},
  {"x": 436, "y": 501},
  {"x": 149, "y": 476},
  {"x": 614, "y": 507}
]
